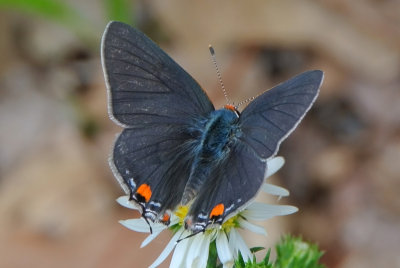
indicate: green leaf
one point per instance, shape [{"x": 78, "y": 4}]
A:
[
  {"x": 265, "y": 261},
  {"x": 239, "y": 263},
  {"x": 56, "y": 11},
  {"x": 51, "y": 9},
  {"x": 256, "y": 249},
  {"x": 120, "y": 10},
  {"x": 175, "y": 228},
  {"x": 212, "y": 256},
  {"x": 293, "y": 252}
]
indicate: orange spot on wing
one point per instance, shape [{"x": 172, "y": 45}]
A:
[
  {"x": 230, "y": 107},
  {"x": 218, "y": 210},
  {"x": 145, "y": 191},
  {"x": 165, "y": 217}
]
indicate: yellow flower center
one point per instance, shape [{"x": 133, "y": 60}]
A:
[
  {"x": 230, "y": 223},
  {"x": 181, "y": 213}
]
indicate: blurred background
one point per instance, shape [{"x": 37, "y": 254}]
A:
[{"x": 57, "y": 194}]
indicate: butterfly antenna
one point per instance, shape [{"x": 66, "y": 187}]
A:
[
  {"x": 248, "y": 100},
  {"x": 218, "y": 72},
  {"x": 189, "y": 236},
  {"x": 148, "y": 223}
]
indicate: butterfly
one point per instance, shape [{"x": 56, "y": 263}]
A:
[{"x": 175, "y": 148}]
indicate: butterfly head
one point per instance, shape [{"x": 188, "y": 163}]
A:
[{"x": 232, "y": 108}]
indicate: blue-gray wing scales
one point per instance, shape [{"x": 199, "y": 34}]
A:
[
  {"x": 233, "y": 183},
  {"x": 146, "y": 86},
  {"x": 271, "y": 117},
  {"x": 160, "y": 158}
]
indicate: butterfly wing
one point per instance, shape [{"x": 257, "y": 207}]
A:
[
  {"x": 153, "y": 166},
  {"x": 146, "y": 86},
  {"x": 263, "y": 125},
  {"x": 230, "y": 186},
  {"x": 157, "y": 102},
  {"x": 271, "y": 117}
]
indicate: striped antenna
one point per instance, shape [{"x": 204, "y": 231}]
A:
[
  {"x": 246, "y": 101},
  {"x": 218, "y": 73}
]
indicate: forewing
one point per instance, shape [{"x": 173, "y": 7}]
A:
[
  {"x": 145, "y": 86},
  {"x": 233, "y": 183},
  {"x": 271, "y": 117}
]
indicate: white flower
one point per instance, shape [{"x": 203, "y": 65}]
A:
[{"x": 193, "y": 251}]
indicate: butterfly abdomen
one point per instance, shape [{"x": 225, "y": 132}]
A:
[{"x": 218, "y": 135}]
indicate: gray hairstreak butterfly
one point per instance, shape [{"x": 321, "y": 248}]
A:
[{"x": 175, "y": 148}]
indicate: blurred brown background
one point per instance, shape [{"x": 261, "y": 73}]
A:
[{"x": 57, "y": 193}]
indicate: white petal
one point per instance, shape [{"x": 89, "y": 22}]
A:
[
  {"x": 195, "y": 249},
  {"x": 180, "y": 252},
  {"x": 260, "y": 211},
  {"x": 224, "y": 252},
  {"x": 228, "y": 265},
  {"x": 138, "y": 225},
  {"x": 274, "y": 190},
  {"x": 236, "y": 243},
  {"x": 233, "y": 244},
  {"x": 158, "y": 227},
  {"x": 150, "y": 238},
  {"x": 167, "y": 250},
  {"x": 201, "y": 260},
  {"x": 125, "y": 202},
  {"x": 141, "y": 226},
  {"x": 273, "y": 165},
  {"x": 174, "y": 220},
  {"x": 251, "y": 227}
]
